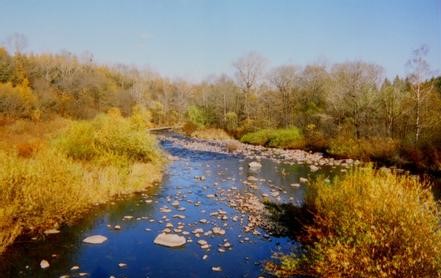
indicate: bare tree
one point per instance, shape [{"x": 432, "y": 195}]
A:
[
  {"x": 17, "y": 42},
  {"x": 419, "y": 72},
  {"x": 249, "y": 69},
  {"x": 284, "y": 78}
]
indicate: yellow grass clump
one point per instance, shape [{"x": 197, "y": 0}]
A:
[
  {"x": 83, "y": 163},
  {"x": 370, "y": 223}
]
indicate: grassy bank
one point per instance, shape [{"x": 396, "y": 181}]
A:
[
  {"x": 289, "y": 138},
  {"x": 59, "y": 169},
  {"x": 371, "y": 223}
]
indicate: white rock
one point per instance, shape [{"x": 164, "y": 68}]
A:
[
  {"x": 170, "y": 240},
  {"x": 44, "y": 264},
  {"x": 216, "y": 268},
  {"x": 218, "y": 231},
  {"x": 304, "y": 180},
  {"x": 313, "y": 168},
  {"x": 96, "y": 239},
  {"x": 255, "y": 165},
  {"x": 51, "y": 232},
  {"x": 75, "y": 267}
]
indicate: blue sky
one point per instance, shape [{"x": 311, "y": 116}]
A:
[{"x": 195, "y": 38}]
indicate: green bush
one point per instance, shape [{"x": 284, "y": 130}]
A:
[
  {"x": 371, "y": 223},
  {"x": 281, "y": 138},
  {"x": 260, "y": 137}
]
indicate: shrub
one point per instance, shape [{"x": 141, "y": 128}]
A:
[
  {"x": 371, "y": 223},
  {"x": 189, "y": 128},
  {"x": 108, "y": 134},
  {"x": 366, "y": 148},
  {"x": 281, "y": 138},
  {"x": 37, "y": 193}
]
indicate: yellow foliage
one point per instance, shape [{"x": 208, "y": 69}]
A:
[{"x": 370, "y": 223}]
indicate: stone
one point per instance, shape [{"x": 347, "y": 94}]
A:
[
  {"x": 255, "y": 165},
  {"x": 218, "y": 231},
  {"x": 313, "y": 168},
  {"x": 303, "y": 180},
  {"x": 216, "y": 268},
  {"x": 122, "y": 265},
  {"x": 128, "y": 217},
  {"x": 205, "y": 257},
  {"x": 165, "y": 210},
  {"x": 44, "y": 264},
  {"x": 75, "y": 267},
  {"x": 51, "y": 232},
  {"x": 170, "y": 240},
  {"x": 202, "y": 242},
  {"x": 96, "y": 239}
]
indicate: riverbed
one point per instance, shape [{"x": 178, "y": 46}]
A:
[{"x": 201, "y": 190}]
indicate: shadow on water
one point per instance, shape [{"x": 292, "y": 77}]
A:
[{"x": 290, "y": 219}]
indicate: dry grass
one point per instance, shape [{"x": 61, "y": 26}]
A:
[
  {"x": 371, "y": 223},
  {"x": 369, "y": 148},
  {"x": 47, "y": 181},
  {"x": 211, "y": 134}
]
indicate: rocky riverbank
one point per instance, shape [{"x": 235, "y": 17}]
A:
[{"x": 234, "y": 147}]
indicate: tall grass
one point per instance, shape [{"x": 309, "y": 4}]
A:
[
  {"x": 88, "y": 162},
  {"x": 281, "y": 138},
  {"x": 371, "y": 223}
]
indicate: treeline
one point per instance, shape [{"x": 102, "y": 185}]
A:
[{"x": 346, "y": 109}]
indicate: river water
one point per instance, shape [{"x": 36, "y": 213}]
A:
[{"x": 143, "y": 216}]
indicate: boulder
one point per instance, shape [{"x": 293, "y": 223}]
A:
[
  {"x": 96, "y": 239},
  {"x": 170, "y": 240}
]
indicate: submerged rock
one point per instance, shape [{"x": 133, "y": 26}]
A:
[
  {"x": 170, "y": 240},
  {"x": 96, "y": 239}
]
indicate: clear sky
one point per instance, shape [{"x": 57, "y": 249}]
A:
[{"x": 196, "y": 38}]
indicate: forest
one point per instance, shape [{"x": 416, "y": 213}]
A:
[{"x": 345, "y": 110}]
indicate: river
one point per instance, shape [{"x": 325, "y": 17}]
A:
[{"x": 197, "y": 191}]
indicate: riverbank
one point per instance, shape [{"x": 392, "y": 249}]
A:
[
  {"x": 53, "y": 173},
  {"x": 314, "y": 160}
]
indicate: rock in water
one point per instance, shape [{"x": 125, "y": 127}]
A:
[
  {"x": 51, "y": 232},
  {"x": 255, "y": 165},
  {"x": 170, "y": 240},
  {"x": 96, "y": 239},
  {"x": 44, "y": 264},
  {"x": 216, "y": 268},
  {"x": 218, "y": 231}
]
